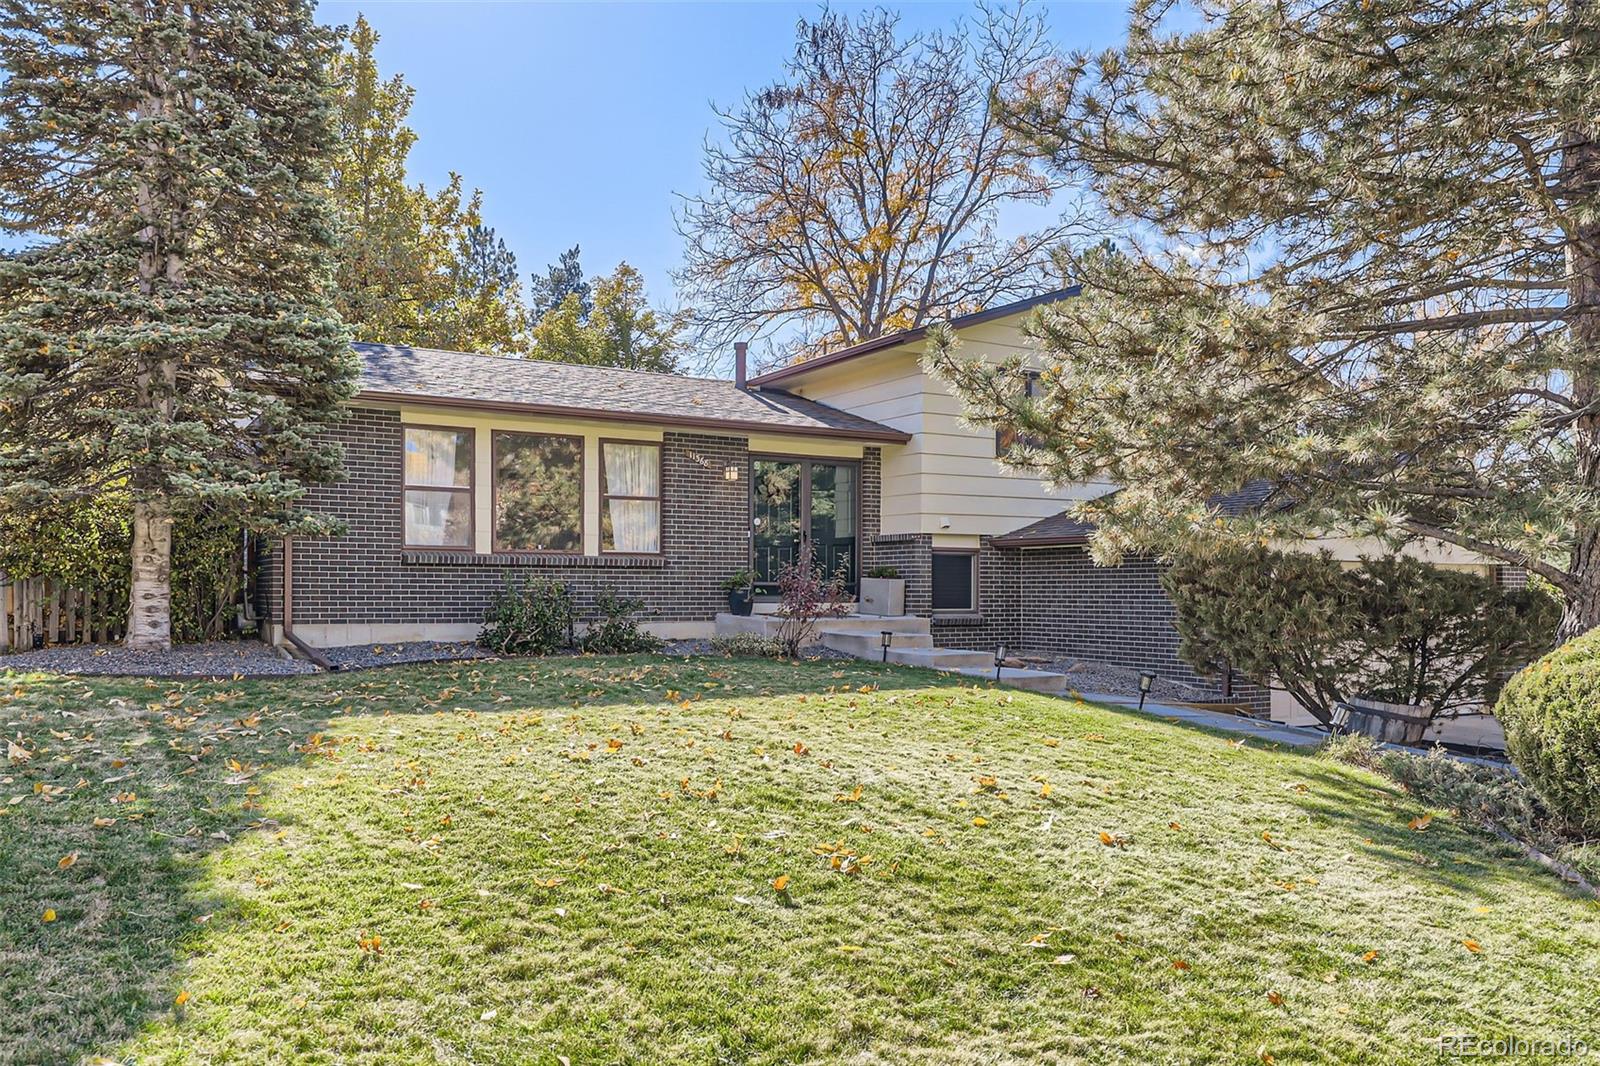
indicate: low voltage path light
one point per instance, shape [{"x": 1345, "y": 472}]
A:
[
  {"x": 999, "y": 657},
  {"x": 1147, "y": 680},
  {"x": 886, "y": 635}
]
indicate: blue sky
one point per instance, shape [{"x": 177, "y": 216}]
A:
[{"x": 580, "y": 121}]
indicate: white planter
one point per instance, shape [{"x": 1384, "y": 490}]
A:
[{"x": 882, "y": 596}]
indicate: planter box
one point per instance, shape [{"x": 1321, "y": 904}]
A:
[
  {"x": 1397, "y": 723},
  {"x": 883, "y": 596}
]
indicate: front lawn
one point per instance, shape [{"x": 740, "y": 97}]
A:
[{"x": 574, "y": 860}]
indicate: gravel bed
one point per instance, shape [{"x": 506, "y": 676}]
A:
[
  {"x": 366, "y": 656},
  {"x": 1116, "y": 680},
  {"x": 249, "y": 658}
]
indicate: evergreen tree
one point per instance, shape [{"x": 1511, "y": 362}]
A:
[
  {"x": 169, "y": 328},
  {"x": 562, "y": 278},
  {"x": 1360, "y": 258},
  {"x": 414, "y": 268},
  {"x": 621, "y": 330}
]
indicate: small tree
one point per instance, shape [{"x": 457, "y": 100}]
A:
[
  {"x": 806, "y": 596},
  {"x": 609, "y": 322},
  {"x": 1394, "y": 628}
]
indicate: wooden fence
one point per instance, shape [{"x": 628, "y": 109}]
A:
[{"x": 44, "y": 608}]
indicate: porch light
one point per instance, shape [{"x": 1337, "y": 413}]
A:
[
  {"x": 999, "y": 657},
  {"x": 730, "y": 473},
  {"x": 887, "y": 635},
  {"x": 1147, "y": 680}
]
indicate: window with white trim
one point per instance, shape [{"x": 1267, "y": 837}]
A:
[{"x": 437, "y": 487}]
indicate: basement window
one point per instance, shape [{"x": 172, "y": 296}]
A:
[{"x": 955, "y": 582}]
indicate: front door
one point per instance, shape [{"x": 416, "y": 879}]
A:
[{"x": 802, "y": 505}]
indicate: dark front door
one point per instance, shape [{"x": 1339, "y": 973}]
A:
[{"x": 802, "y": 505}]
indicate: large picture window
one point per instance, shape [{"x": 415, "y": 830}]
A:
[
  {"x": 438, "y": 487},
  {"x": 630, "y": 500},
  {"x": 538, "y": 493},
  {"x": 955, "y": 582}
]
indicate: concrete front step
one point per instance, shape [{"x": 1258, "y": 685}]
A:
[
  {"x": 1033, "y": 680},
  {"x": 870, "y": 645},
  {"x": 948, "y": 659},
  {"x": 766, "y": 625}
]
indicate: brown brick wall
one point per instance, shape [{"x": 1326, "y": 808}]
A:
[{"x": 366, "y": 577}]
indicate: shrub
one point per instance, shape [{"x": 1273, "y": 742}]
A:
[
  {"x": 805, "y": 597},
  {"x": 616, "y": 631},
  {"x": 742, "y": 578},
  {"x": 1393, "y": 629},
  {"x": 1551, "y": 715},
  {"x": 748, "y": 646},
  {"x": 535, "y": 619},
  {"x": 889, "y": 572}
]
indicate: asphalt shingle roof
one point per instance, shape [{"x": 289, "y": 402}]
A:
[
  {"x": 1064, "y": 528},
  {"x": 459, "y": 379}
]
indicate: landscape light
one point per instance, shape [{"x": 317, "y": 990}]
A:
[
  {"x": 999, "y": 657},
  {"x": 1147, "y": 680},
  {"x": 887, "y": 635}
]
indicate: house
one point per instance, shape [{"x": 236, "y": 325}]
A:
[{"x": 464, "y": 471}]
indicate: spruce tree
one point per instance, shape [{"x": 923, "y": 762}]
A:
[
  {"x": 168, "y": 327},
  {"x": 1358, "y": 255}
]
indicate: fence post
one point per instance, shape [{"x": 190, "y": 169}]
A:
[{"x": 5, "y": 610}]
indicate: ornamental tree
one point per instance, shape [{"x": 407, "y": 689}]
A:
[
  {"x": 167, "y": 331},
  {"x": 1357, "y": 254}
]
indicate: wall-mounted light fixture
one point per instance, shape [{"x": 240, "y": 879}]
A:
[{"x": 730, "y": 473}]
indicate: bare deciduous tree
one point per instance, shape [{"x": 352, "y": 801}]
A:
[{"x": 859, "y": 195}]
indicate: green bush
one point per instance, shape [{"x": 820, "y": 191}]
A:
[
  {"x": 534, "y": 619},
  {"x": 748, "y": 646},
  {"x": 616, "y": 631},
  {"x": 1551, "y": 715}
]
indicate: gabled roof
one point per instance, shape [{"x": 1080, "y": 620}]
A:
[
  {"x": 396, "y": 374},
  {"x": 908, "y": 336},
  {"x": 1059, "y": 529}
]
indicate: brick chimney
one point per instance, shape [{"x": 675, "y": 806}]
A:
[{"x": 740, "y": 369}]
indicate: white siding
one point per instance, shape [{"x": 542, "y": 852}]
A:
[{"x": 947, "y": 479}]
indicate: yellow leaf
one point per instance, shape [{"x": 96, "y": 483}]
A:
[
  {"x": 1420, "y": 824},
  {"x": 1174, "y": 825},
  {"x": 1051, "y": 742},
  {"x": 1370, "y": 957},
  {"x": 980, "y": 821},
  {"x": 48, "y": 915},
  {"x": 780, "y": 883},
  {"x": 102, "y": 823},
  {"x": 67, "y": 861},
  {"x": 1472, "y": 946},
  {"x": 182, "y": 998},
  {"x": 1044, "y": 790}
]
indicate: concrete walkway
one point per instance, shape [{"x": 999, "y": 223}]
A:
[{"x": 1277, "y": 732}]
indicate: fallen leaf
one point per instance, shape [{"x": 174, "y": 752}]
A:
[
  {"x": 67, "y": 861},
  {"x": 1419, "y": 824},
  {"x": 48, "y": 915},
  {"x": 980, "y": 821},
  {"x": 1275, "y": 998},
  {"x": 780, "y": 883},
  {"x": 1472, "y": 946},
  {"x": 1370, "y": 957},
  {"x": 181, "y": 998},
  {"x": 1179, "y": 965},
  {"x": 1265, "y": 1056}
]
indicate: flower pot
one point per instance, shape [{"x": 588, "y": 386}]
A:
[
  {"x": 1397, "y": 723},
  {"x": 883, "y": 596},
  {"x": 741, "y": 601}
]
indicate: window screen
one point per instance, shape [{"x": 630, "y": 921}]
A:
[{"x": 954, "y": 587}]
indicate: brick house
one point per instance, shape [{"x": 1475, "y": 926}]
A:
[{"x": 463, "y": 472}]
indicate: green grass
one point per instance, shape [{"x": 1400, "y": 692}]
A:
[{"x": 575, "y": 857}]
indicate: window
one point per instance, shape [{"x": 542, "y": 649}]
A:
[
  {"x": 630, "y": 497},
  {"x": 955, "y": 582},
  {"x": 438, "y": 487},
  {"x": 1005, "y": 437},
  {"x": 538, "y": 493}
]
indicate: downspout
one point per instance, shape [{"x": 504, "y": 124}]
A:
[{"x": 288, "y": 610}]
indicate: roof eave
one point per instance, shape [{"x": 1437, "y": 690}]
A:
[
  {"x": 891, "y": 436},
  {"x": 910, "y": 336},
  {"x": 1074, "y": 540}
]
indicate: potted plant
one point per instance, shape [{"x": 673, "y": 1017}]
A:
[
  {"x": 740, "y": 587},
  {"x": 883, "y": 592}
]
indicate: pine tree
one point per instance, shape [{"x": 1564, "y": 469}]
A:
[
  {"x": 1358, "y": 255},
  {"x": 169, "y": 328},
  {"x": 561, "y": 279},
  {"x": 621, "y": 329}
]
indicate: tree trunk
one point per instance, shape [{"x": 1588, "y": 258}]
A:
[
  {"x": 1580, "y": 183},
  {"x": 150, "y": 593}
]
